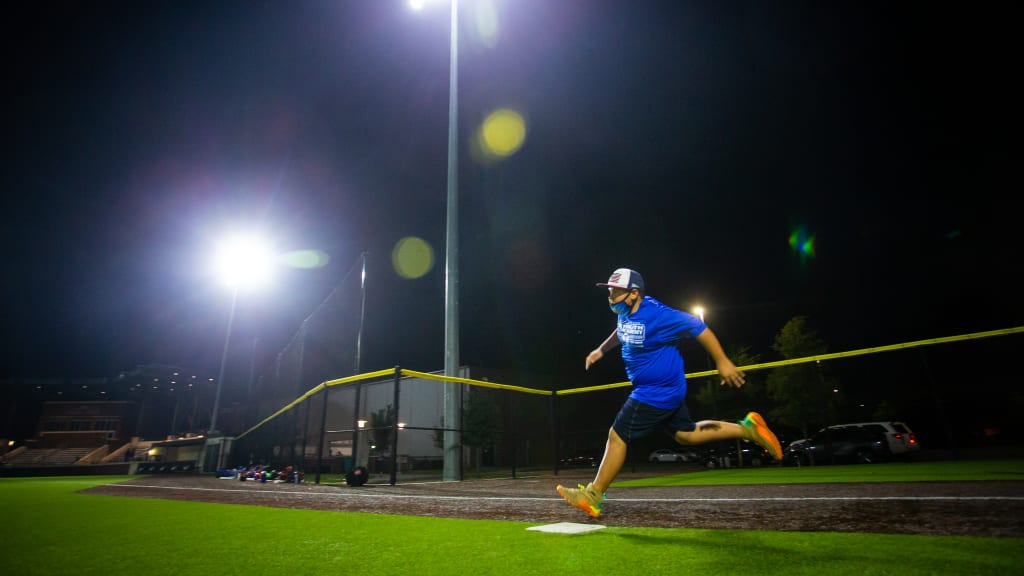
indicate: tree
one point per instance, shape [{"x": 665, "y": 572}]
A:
[
  {"x": 481, "y": 421},
  {"x": 381, "y": 422},
  {"x": 802, "y": 391},
  {"x": 734, "y": 403}
]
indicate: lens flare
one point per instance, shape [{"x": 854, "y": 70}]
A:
[
  {"x": 485, "y": 20},
  {"x": 802, "y": 243},
  {"x": 304, "y": 259},
  {"x": 502, "y": 133},
  {"x": 412, "y": 257}
]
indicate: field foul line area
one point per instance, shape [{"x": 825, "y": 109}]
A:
[{"x": 529, "y": 498}]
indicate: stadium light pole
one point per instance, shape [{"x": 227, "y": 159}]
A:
[
  {"x": 452, "y": 391},
  {"x": 242, "y": 260},
  {"x": 223, "y": 362},
  {"x": 358, "y": 364}
]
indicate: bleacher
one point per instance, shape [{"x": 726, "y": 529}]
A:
[{"x": 47, "y": 457}]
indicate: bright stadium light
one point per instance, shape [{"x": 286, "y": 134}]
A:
[
  {"x": 243, "y": 260},
  {"x": 240, "y": 261}
]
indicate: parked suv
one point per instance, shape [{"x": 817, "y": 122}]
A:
[
  {"x": 899, "y": 436},
  {"x": 844, "y": 444}
]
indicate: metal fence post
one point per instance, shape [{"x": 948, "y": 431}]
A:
[
  {"x": 323, "y": 435},
  {"x": 554, "y": 432},
  {"x": 394, "y": 429},
  {"x": 305, "y": 434}
]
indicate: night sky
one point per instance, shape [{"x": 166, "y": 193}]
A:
[{"x": 687, "y": 140}]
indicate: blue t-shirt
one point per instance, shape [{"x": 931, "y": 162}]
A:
[{"x": 653, "y": 363}]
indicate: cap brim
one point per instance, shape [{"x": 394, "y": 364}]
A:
[{"x": 608, "y": 285}]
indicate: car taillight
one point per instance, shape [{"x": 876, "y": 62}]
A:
[
  {"x": 898, "y": 436},
  {"x": 913, "y": 439}
]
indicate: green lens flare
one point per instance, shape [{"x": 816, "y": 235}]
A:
[{"x": 305, "y": 259}]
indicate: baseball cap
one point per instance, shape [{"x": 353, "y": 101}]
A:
[{"x": 624, "y": 278}]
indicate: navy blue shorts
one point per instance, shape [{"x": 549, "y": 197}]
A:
[{"x": 636, "y": 420}]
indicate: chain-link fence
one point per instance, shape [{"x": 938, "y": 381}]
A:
[{"x": 391, "y": 422}]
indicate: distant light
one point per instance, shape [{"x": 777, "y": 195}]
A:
[
  {"x": 699, "y": 312},
  {"x": 361, "y": 423},
  {"x": 401, "y": 425},
  {"x": 417, "y": 4}
]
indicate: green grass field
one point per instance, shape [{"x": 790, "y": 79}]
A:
[
  {"x": 946, "y": 471},
  {"x": 50, "y": 529}
]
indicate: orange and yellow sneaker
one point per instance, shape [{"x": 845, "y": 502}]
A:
[
  {"x": 755, "y": 430},
  {"x": 585, "y": 498}
]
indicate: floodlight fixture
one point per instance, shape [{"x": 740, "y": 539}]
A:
[{"x": 243, "y": 260}]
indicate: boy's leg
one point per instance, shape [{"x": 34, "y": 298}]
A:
[
  {"x": 709, "y": 431},
  {"x": 614, "y": 457},
  {"x": 589, "y": 498},
  {"x": 635, "y": 420},
  {"x": 752, "y": 428}
]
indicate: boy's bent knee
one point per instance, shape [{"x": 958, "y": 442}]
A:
[{"x": 685, "y": 437}]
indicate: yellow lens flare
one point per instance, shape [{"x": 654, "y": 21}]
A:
[
  {"x": 502, "y": 133},
  {"x": 412, "y": 257}
]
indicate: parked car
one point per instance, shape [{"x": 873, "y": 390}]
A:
[
  {"x": 900, "y": 438},
  {"x": 844, "y": 444},
  {"x": 668, "y": 455},
  {"x": 728, "y": 457},
  {"x": 580, "y": 461}
]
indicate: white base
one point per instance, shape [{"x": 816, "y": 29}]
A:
[{"x": 567, "y": 528}]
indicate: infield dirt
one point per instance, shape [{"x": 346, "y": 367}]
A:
[{"x": 982, "y": 508}]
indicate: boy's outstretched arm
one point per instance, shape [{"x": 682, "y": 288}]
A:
[
  {"x": 597, "y": 353},
  {"x": 726, "y": 369}
]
